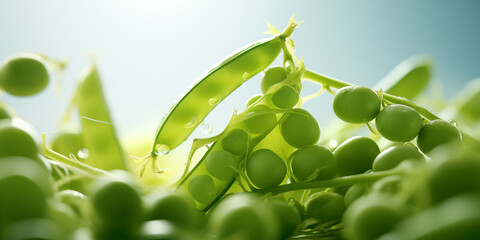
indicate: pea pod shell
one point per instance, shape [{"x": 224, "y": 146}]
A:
[
  {"x": 409, "y": 78},
  {"x": 189, "y": 111},
  {"x": 98, "y": 132}
]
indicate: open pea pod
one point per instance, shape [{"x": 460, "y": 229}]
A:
[
  {"x": 98, "y": 132},
  {"x": 190, "y": 110}
]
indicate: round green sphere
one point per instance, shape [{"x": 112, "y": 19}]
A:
[
  {"x": 24, "y": 75},
  {"x": 436, "y": 133},
  {"x": 355, "y": 104}
]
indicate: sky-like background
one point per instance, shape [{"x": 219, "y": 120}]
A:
[{"x": 149, "y": 52}]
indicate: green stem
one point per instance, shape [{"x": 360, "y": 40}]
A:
[
  {"x": 50, "y": 154},
  {"x": 335, "y": 83},
  {"x": 336, "y": 182}
]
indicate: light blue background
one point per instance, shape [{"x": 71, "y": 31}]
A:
[{"x": 149, "y": 51}]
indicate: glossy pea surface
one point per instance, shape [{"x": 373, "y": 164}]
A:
[
  {"x": 265, "y": 169},
  {"x": 355, "y": 155},
  {"x": 355, "y": 104},
  {"x": 300, "y": 128},
  {"x": 313, "y": 162},
  {"x": 392, "y": 156},
  {"x": 436, "y": 133},
  {"x": 398, "y": 123}
]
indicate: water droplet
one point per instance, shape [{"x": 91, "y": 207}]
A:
[
  {"x": 214, "y": 101},
  {"x": 246, "y": 76},
  {"x": 332, "y": 143},
  {"x": 83, "y": 153},
  {"x": 453, "y": 122},
  {"x": 162, "y": 149},
  {"x": 191, "y": 123},
  {"x": 206, "y": 128}
]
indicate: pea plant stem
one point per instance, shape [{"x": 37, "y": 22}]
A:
[
  {"x": 335, "y": 83},
  {"x": 50, "y": 154},
  {"x": 336, "y": 182}
]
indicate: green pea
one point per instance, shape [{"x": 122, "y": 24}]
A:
[
  {"x": 262, "y": 121},
  {"x": 288, "y": 216},
  {"x": 355, "y": 155},
  {"x": 21, "y": 198},
  {"x": 273, "y": 76},
  {"x": 398, "y": 123},
  {"x": 109, "y": 194},
  {"x": 436, "y": 133},
  {"x": 325, "y": 206},
  {"x": 371, "y": 216},
  {"x": 299, "y": 128},
  {"x": 388, "y": 185},
  {"x": 236, "y": 141},
  {"x": 67, "y": 143},
  {"x": 285, "y": 97},
  {"x": 172, "y": 207},
  {"x": 355, "y": 104},
  {"x": 253, "y": 99},
  {"x": 392, "y": 156},
  {"x": 202, "y": 189},
  {"x": 18, "y": 138},
  {"x": 25, "y": 186},
  {"x": 265, "y": 169},
  {"x": 454, "y": 177},
  {"x": 355, "y": 192},
  {"x": 242, "y": 216},
  {"x": 313, "y": 162},
  {"x": 34, "y": 170},
  {"x": 221, "y": 164},
  {"x": 24, "y": 74}
]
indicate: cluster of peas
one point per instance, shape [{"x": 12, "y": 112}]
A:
[{"x": 264, "y": 177}]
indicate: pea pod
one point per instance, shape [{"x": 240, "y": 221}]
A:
[
  {"x": 186, "y": 114},
  {"x": 409, "y": 78},
  {"x": 98, "y": 132}
]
